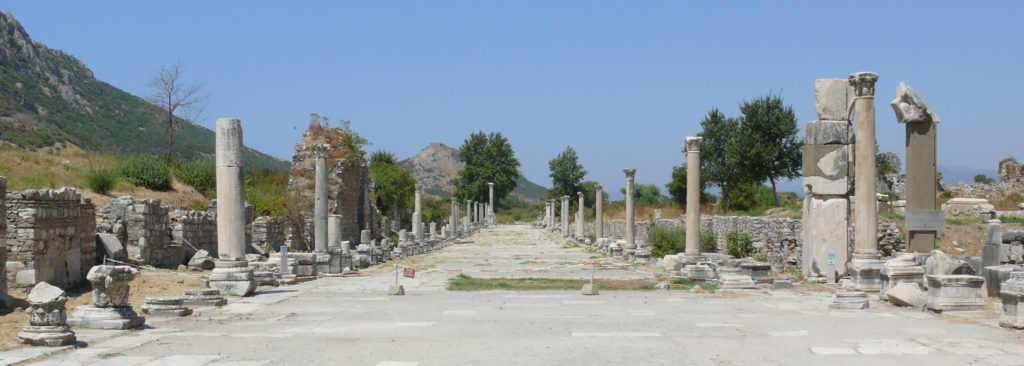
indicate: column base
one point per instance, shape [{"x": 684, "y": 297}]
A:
[
  {"x": 698, "y": 272},
  {"x": 866, "y": 272},
  {"x": 45, "y": 335},
  {"x": 691, "y": 258},
  {"x": 89, "y": 316},
  {"x": 233, "y": 278}
]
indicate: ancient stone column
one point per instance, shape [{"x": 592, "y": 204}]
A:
[
  {"x": 433, "y": 231},
  {"x": 866, "y": 266},
  {"x": 451, "y": 219},
  {"x": 490, "y": 203},
  {"x": 110, "y": 308},
  {"x": 47, "y": 318},
  {"x": 565, "y": 216},
  {"x": 599, "y": 219},
  {"x": 692, "y": 254},
  {"x": 826, "y": 179},
  {"x": 335, "y": 251},
  {"x": 417, "y": 214},
  {"x": 231, "y": 275},
  {"x": 630, "y": 213},
  {"x": 579, "y": 217},
  {"x": 921, "y": 123},
  {"x": 320, "y": 203}
]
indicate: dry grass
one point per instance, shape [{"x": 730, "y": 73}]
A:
[
  {"x": 66, "y": 166},
  {"x": 148, "y": 283}
]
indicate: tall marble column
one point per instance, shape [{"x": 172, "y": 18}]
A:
[
  {"x": 231, "y": 274},
  {"x": 320, "y": 201},
  {"x": 565, "y": 216},
  {"x": 630, "y": 213},
  {"x": 692, "y": 254},
  {"x": 579, "y": 217},
  {"x": 551, "y": 216},
  {"x": 417, "y": 214},
  {"x": 865, "y": 267},
  {"x": 490, "y": 203},
  {"x": 454, "y": 208},
  {"x": 921, "y": 123},
  {"x": 599, "y": 211}
]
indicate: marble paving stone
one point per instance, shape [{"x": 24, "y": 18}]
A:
[
  {"x": 833, "y": 351},
  {"x": 184, "y": 360}
]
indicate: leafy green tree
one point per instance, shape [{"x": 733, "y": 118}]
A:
[
  {"x": 719, "y": 133},
  {"x": 767, "y": 145},
  {"x": 566, "y": 175},
  {"x": 646, "y": 194},
  {"x": 395, "y": 186},
  {"x": 983, "y": 179},
  {"x": 677, "y": 187},
  {"x": 489, "y": 158},
  {"x": 590, "y": 194},
  {"x": 436, "y": 210}
]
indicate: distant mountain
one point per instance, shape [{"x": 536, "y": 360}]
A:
[
  {"x": 49, "y": 96},
  {"x": 437, "y": 165}
]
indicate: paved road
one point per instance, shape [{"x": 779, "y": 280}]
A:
[{"x": 350, "y": 321}]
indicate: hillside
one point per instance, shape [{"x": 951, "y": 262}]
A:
[
  {"x": 437, "y": 165},
  {"x": 50, "y": 96}
]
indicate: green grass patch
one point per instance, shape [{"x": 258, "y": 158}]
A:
[
  {"x": 464, "y": 282},
  {"x": 1012, "y": 220},
  {"x": 964, "y": 221},
  {"x": 682, "y": 283}
]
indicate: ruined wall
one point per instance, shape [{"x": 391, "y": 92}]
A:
[
  {"x": 269, "y": 232},
  {"x": 775, "y": 240},
  {"x": 1011, "y": 172},
  {"x": 3, "y": 236},
  {"x": 51, "y": 237},
  {"x": 143, "y": 226},
  {"x": 348, "y": 186},
  {"x": 194, "y": 230}
]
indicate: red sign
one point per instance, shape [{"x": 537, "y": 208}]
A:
[{"x": 409, "y": 273}]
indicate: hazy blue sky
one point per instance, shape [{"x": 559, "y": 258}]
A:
[{"x": 622, "y": 82}]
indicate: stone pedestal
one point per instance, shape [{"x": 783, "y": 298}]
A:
[
  {"x": 615, "y": 249},
  {"x": 166, "y": 306},
  {"x": 902, "y": 269},
  {"x": 233, "y": 278},
  {"x": 736, "y": 282},
  {"x": 110, "y": 309},
  {"x": 1012, "y": 295},
  {"x": 47, "y": 318},
  {"x": 995, "y": 276},
  {"x": 691, "y": 258},
  {"x": 590, "y": 289},
  {"x": 759, "y": 272},
  {"x": 204, "y": 297},
  {"x": 866, "y": 272},
  {"x": 396, "y": 290},
  {"x": 698, "y": 272},
  {"x": 955, "y": 292},
  {"x": 850, "y": 300}
]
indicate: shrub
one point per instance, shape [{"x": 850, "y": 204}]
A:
[
  {"x": 101, "y": 180},
  {"x": 665, "y": 241},
  {"x": 146, "y": 171},
  {"x": 708, "y": 242},
  {"x": 200, "y": 174},
  {"x": 738, "y": 245}
]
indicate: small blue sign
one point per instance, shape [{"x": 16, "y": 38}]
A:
[
  {"x": 832, "y": 258},
  {"x": 284, "y": 249}
]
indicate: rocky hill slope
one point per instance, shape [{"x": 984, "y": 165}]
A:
[
  {"x": 50, "y": 97},
  {"x": 437, "y": 165}
]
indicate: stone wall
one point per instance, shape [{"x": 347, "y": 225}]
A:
[
  {"x": 194, "y": 230},
  {"x": 143, "y": 228},
  {"x": 3, "y": 237},
  {"x": 269, "y": 232},
  {"x": 775, "y": 240},
  {"x": 51, "y": 237}
]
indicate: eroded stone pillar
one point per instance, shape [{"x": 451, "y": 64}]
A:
[
  {"x": 630, "y": 213},
  {"x": 865, "y": 267},
  {"x": 417, "y": 215},
  {"x": 599, "y": 211},
  {"x": 921, "y": 123},
  {"x": 490, "y": 203},
  {"x": 827, "y": 173},
  {"x": 454, "y": 214},
  {"x": 565, "y": 216},
  {"x": 579, "y": 217},
  {"x": 320, "y": 202},
  {"x": 231, "y": 275},
  {"x": 692, "y": 255}
]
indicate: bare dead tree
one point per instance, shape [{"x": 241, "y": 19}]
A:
[{"x": 176, "y": 98}]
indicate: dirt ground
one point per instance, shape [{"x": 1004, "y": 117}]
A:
[{"x": 150, "y": 282}]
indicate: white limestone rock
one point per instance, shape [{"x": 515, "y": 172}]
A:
[
  {"x": 832, "y": 99},
  {"x": 910, "y": 108},
  {"x": 907, "y": 294}
]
